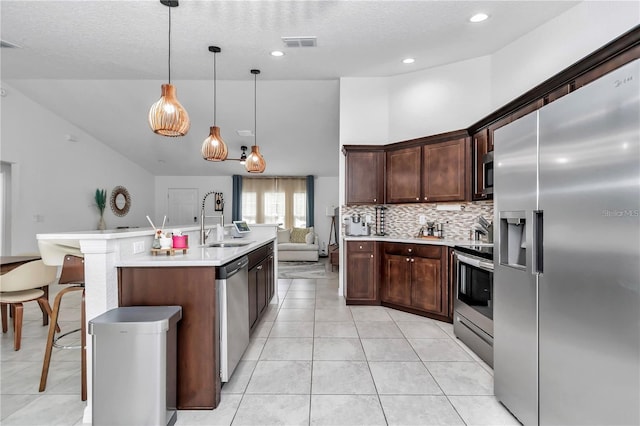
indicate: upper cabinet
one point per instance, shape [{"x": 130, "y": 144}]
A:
[
  {"x": 404, "y": 168},
  {"x": 364, "y": 175},
  {"x": 444, "y": 174},
  {"x": 431, "y": 172}
]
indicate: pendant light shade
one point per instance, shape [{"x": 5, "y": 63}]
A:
[
  {"x": 167, "y": 117},
  {"x": 213, "y": 147},
  {"x": 255, "y": 161}
]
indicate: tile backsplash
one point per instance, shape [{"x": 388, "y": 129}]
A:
[{"x": 402, "y": 220}]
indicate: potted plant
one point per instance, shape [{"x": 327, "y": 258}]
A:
[{"x": 101, "y": 202}]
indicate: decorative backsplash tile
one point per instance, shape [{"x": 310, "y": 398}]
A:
[{"x": 402, "y": 220}]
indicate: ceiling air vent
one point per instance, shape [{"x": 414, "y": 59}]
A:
[
  {"x": 300, "y": 41},
  {"x": 245, "y": 133},
  {"x": 7, "y": 45}
]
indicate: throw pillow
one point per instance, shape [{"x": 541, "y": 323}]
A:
[
  {"x": 284, "y": 235},
  {"x": 310, "y": 238},
  {"x": 298, "y": 235}
]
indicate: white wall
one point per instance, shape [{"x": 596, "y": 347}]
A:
[
  {"x": 364, "y": 111},
  {"x": 439, "y": 100},
  {"x": 326, "y": 196},
  {"x": 203, "y": 184},
  {"x": 54, "y": 180},
  {"x": 552, "y": 47}
]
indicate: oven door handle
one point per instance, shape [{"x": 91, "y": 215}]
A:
[{"x": 475, "y": 262}]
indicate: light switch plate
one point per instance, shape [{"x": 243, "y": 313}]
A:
[{"x": 422, "y": 219}]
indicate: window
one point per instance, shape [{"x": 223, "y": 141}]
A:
[{"x": 275, "y": 200}]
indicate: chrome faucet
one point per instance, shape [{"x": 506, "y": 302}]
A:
[{"x": 203, "y": 235}]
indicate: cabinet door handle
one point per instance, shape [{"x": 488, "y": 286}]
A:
[
  {"x": 417, "y": 198},
  {"x": 259, "y": 267},
  {"x": 375, "y": 200},
  {"x": 412, "y": 260},
  {"x": 410, "y": 250},
  {"x": 426, "y": 198},
  {"x": 407, "y": 259},
  {"x": 371, "y": 256},
  {"x": 360, "y": 247}
]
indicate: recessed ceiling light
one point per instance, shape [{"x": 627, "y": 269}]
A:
[
  {"x": 479, "y": 17},
  {"x": 277, "y": 53},
  {"x": 408, "y": 61}
]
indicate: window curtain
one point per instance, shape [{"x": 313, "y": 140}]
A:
[
  {"x": 281, "y": 208},
  {"x": 236, "y": 199},
  {"x": 310, "y": 200}
]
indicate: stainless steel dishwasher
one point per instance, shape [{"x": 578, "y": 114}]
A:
[{"x": 232, "y": 281}]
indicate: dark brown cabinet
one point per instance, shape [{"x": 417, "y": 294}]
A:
[
  {"x": 480, "y": 142},
  {"x": 364, "y": 176},
  {"x": 444, "y": 176},
  {"x": 362, "y": 272},
  {"x": 403, "y": 175},
  {"x": 427, "y": 173},
  {"x": 415, "y": 277},
  {"x": 261, "y": 282}
]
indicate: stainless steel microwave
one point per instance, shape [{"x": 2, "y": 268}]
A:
[{"x": 487, "y": 172}]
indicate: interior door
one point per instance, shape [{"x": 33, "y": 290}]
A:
[{"x": 183, "y": 206}]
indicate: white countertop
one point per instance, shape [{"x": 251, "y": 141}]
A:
[
  {"x": 195, "y": 256},
  {"x": 436, "y": 242},
  {"x": 108, "y": 234}
]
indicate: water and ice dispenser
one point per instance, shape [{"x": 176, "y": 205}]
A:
[{"x": 513, "y": 239}]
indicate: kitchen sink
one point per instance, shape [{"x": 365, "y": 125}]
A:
[{"x": 229, "y": 244}]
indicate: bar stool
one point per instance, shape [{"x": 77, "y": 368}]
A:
[
  {"x": 72, "y": 273},
  {"x": 23, "y": 284}
]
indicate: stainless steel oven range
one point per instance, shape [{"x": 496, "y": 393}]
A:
[{"x": 473, "y": 305}]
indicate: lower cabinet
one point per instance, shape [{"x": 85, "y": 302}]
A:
[
  {"x": 415, "y": 277},
  {"x": 261, "y": 282},
  {"x": 362, "y": 273}
]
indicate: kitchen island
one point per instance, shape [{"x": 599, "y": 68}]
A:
[{"x": 106, "y": 251}]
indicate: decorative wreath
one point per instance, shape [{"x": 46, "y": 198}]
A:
[{"x": 116, "y": 199}]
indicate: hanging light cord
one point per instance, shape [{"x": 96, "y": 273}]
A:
[
  {"x": 255, "y": 108},
  {"x": 215, "y": 91},
  {"x": 169, "y": 44}
]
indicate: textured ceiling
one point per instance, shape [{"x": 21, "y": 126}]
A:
[{"x": 88, "y": 44}]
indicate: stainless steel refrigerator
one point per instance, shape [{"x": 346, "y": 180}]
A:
[{"x": 567, "y": 257}]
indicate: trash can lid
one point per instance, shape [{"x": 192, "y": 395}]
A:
[{"x": 137, "y": 319}]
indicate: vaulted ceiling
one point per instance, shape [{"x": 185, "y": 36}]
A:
[{"x": 100, "y": 64}]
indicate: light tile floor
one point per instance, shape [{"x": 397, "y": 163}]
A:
[{"x": 312, "y": 361}]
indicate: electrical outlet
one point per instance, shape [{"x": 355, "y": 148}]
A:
[
  {"x": 422, "y": 219},
  {"x": 138, "y": 247}
]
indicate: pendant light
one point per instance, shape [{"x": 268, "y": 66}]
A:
[
  {"x": 255, "y": 162},
  {"x": 167, "y": 117},
  {"x": 213, "y": 147}
]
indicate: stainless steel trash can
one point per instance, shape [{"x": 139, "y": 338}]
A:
[{"x": 134, "y": 366}]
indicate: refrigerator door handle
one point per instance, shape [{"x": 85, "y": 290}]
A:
[{"x": 537, "y": 243}]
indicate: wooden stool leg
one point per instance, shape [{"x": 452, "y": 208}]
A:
[
  {"x": 83, "y": 350},
  {"x": 3, "y": 313},
  {"x": 46, "y": 308},
  {"x": 45, "y": 314},
  {"x": 47, "y": 351},
  {"x": 17, "y": 326}
]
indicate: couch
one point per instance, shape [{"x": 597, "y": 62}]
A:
[{"x": 297, "y": 245}]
